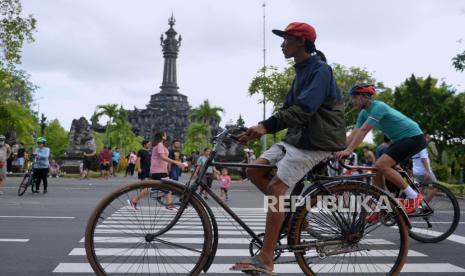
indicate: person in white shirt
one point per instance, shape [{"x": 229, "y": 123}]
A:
[{"x": 422, "y": 167}]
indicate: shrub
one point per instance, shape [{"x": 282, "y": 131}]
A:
[{"x": 441, "y": 171}]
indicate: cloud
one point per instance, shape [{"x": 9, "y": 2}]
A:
[{"x": 97, "y": 52}]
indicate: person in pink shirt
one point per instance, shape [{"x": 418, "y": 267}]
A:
[
  {"x": 225, "y": 182},
  {"x": 158, "y": 167}
]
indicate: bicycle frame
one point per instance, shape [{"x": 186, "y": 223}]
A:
[
  {"x": 210, "y": 162},
  {"x": 409, "y": 180}
]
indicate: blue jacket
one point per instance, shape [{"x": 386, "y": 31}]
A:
[
  {"x": 313, "y": 110},
  {"x": 42, "y": 158}
]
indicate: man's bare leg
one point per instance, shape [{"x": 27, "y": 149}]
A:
[
  {"x": 274, "y": 220},
  {"x": 384, "y": 168},
  {"x": 260, "y": 176}
]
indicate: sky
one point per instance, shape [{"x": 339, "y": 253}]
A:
[{"x": 94, "y": 52}]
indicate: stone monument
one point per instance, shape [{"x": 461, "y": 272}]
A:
[
  {"x": 167, "y": 110},
  {"x": 80, "y": 139}
]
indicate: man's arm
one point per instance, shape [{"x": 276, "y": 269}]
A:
[
  {"x": 355, "y": 141},
  {"x": 351, "y": 136}
]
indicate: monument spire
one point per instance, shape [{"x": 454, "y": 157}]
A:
[{"x": 170, "y": 47}]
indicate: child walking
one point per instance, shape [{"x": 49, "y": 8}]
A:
[{"x": 225, "y": 182}]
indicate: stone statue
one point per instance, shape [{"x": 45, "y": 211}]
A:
[{"x": 81, "y": 138}]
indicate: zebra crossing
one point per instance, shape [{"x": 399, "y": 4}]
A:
[{"x": 233, "y": 245}]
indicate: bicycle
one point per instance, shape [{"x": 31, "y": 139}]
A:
[
  {"x": 438, "y": 215},
  {"x": 28, "y": 180},
  {"x": 322, "y": 240}
]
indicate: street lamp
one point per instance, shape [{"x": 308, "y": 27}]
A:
[{"x": 264, "y": 73}]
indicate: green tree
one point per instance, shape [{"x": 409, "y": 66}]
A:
[
  {"x": 111, "y": 111},
  {"x": 276, "y": 84},
  {"x": 196, "y": 138},
  {"x": 14, "y": 117},
  {"x": 57, "y": 138},
  {"x": 348, "y": 77},
  {"x": 14, "y": 30},
  {"x": 204, "y": 113},
  {"x": 437, "y": 108},
  {"x": 459, "y": 62},
  {"x": 240, "y": 122}
]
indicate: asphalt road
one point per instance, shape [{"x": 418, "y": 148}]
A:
[{"x": 42, "y": 234}]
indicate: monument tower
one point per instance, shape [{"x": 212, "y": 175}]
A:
[{"x": 167, "y": 110}]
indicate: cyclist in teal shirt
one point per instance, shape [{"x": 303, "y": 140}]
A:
[{"x": 405, "y": 134}]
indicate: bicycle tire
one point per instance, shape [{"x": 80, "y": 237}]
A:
[
  {"x": 305, "y": 228},
  {"x": 426, "y": 235},
  {"x": 111, "y": 214},
  {"x": 24, "y": 184}
]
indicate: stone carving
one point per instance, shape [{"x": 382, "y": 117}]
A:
[{"x": 81, "y": 138}]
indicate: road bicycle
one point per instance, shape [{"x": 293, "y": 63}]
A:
[
  {"x": 439, "y": 213},
  {"x": 28, "y": 180},
  {"x": 122, "y": 240}
]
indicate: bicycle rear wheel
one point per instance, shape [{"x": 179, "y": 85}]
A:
[
  {"x": 438, "y": 219},
  {"x": 347, "y": 239},
  {"x": 148, "y": 240}
]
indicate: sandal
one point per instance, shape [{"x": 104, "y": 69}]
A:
[{"x": 252, "y": 266}]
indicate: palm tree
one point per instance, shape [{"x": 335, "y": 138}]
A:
[
  {"x": 111, "y": 111},
  {"x": 204, "y": 113}
]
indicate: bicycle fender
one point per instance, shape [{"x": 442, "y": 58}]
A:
[{"x": 212, "y": 221}]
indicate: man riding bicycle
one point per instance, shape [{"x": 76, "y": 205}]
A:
[
  {"x": 313, "y": 114},
  {"x": 405, "y": 134}
]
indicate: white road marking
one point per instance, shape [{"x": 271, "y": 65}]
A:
[
  {"x": 220, "y": 253},
  {"x": 279, "y": 268},
  {"x": 37, "y": 217},
  {"x": 14, "y": 240}
]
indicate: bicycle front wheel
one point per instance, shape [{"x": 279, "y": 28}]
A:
[
  {"x": 438, "y": 215},
  {"x": 24, "y": 183},
  {"x": 346, "y": 237},
  {"x": 149, "y": 237}
]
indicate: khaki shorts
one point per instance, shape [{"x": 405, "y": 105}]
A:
[
  {"x": 293, "y": 163},
  {"x": 421, "y": 179}
]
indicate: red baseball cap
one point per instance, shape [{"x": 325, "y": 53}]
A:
[{"x": 298, "y": 29}]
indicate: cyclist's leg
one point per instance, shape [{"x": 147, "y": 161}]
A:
[
  {"x": 260, "y": 176},
  {"x": 274, "y": 219},
  {"x": 384, "y": 169}
]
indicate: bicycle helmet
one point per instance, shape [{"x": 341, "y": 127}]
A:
[
  {"x": 41, "y": 140},
  {"x": 363, "y": 88}
]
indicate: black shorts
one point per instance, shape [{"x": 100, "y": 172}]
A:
[
  {"x": 104, "y": 167},
  {"x": 158, "y": 176},
  {"x": 144, "y": 174},
  {"x": 86, "y": 164},
  {"x": 115, "y": 164},
  {"x": 405, "y": 148}
]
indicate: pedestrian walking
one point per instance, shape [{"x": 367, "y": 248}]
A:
[
  {"x": 105, "y": 159},
  {"x": 143, "y": 161},
  {"x": 20, "y": 157},
  {"x": 115, "y": 161},
  {"x": 225, "y": 183},
  {"x": 208, "y": 174},
  {"x": 5, "y": 152},
  {"x": 175, "y": 154},
  {"x": 158, "y": 168},
  {"x": 131, "y": 157},
  {"x": 89, "y": 155}
]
